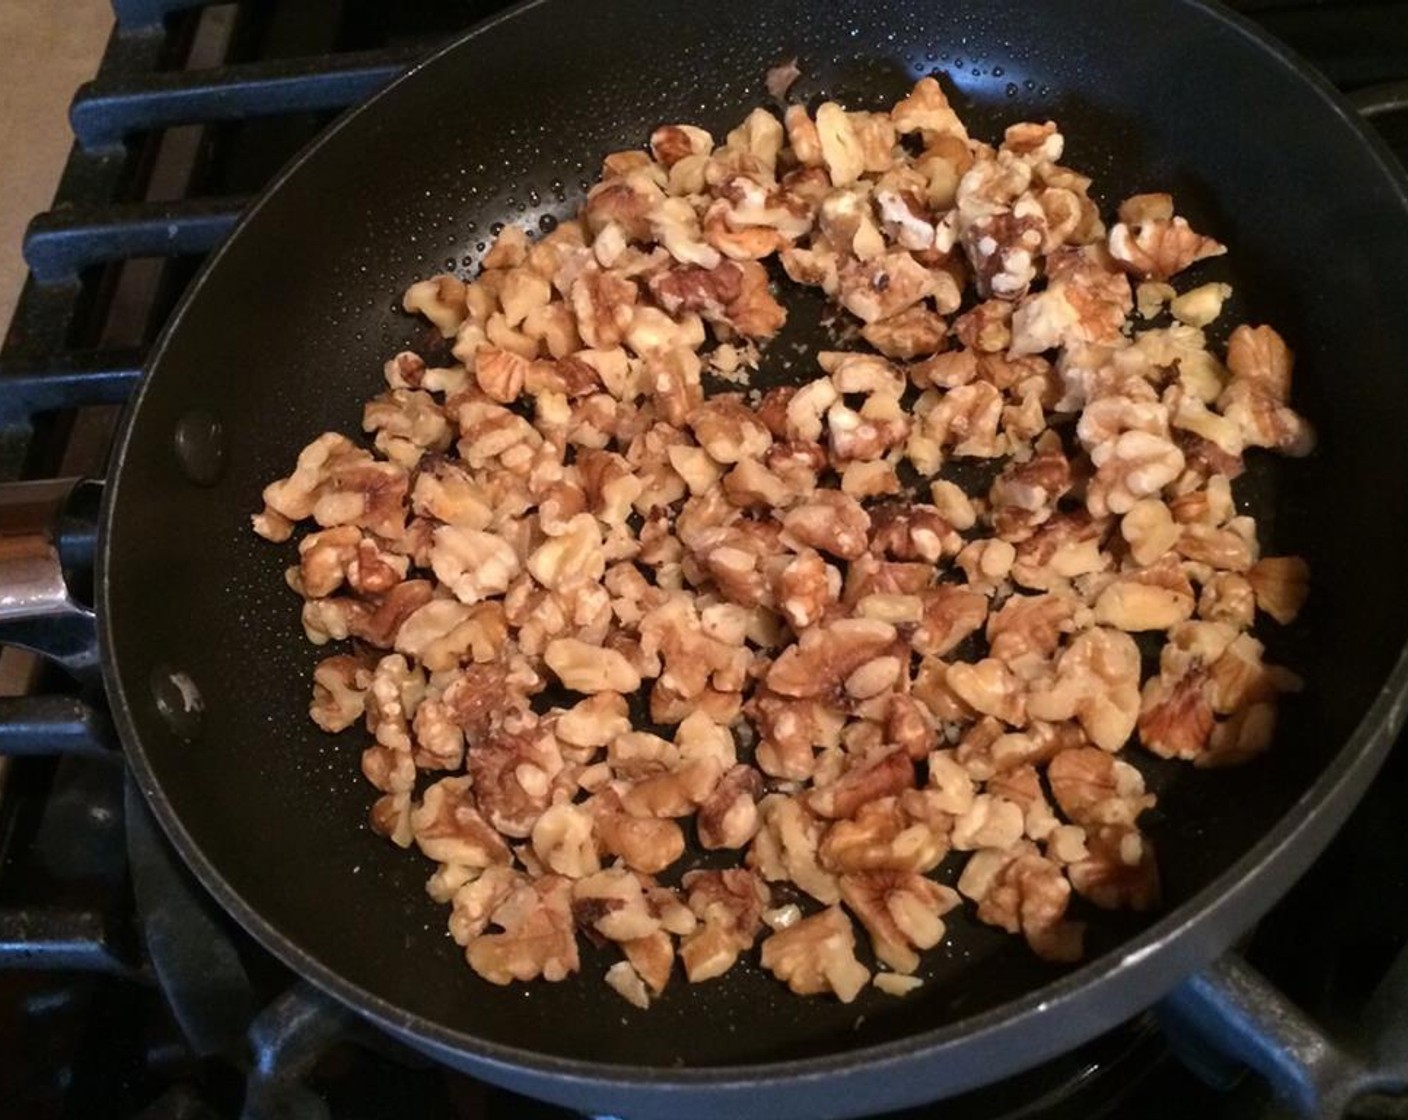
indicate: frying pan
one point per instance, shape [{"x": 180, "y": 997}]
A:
[{"x": 283, "y": 336}]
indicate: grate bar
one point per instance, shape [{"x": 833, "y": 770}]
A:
[
  {"x": 59, "y": 244},
  {"x": 67, "y": 381},
  {"x": 53, "y": 725},
  {"x": 147, "y": 15},
  {"x": 107, "y": 109},
  {"x": 74, "y": 940}
]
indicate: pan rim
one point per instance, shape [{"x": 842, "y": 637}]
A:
[{"x": 1123, "y": 982}]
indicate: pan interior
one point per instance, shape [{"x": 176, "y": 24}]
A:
[{"x": 286, "y": 337}]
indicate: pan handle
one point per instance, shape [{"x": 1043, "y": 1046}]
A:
[
  {"x": 47, "y": 535},
  {"x": 1229, "y": 1011}
]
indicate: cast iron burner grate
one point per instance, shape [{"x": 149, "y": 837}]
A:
[{"x": 123, "y": 991}]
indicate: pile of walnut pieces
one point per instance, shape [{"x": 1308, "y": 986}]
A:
[{"x": 855, "y": 675}]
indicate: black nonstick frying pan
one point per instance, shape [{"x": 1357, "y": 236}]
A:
[{"x": 283, "y": 337}]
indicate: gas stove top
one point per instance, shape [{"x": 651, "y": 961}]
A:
[{"x": 123, "y": 991}]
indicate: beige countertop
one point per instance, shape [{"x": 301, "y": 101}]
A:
[{"x": 47, "y": 48}]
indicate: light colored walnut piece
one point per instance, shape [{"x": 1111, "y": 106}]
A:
[
  {"x": 817, "y": 955},
  {"x": 1096, "y": 683},
  {"x": 790, "y": 731},
  {"x": 441, "y": 299},
  {"x": 536, "y": 938},
  {"x": 1138, "y": 464},
  {"x": 989, "y": 822},
  {"x": 885, "y": 835},
  {"x": 989, "y": 687},
  {"x": 1026, "y": 631},
  {"x": 926, "y": 110},
  {"x": 625, "y": 981},
  {"x": 915, "y": 332},
  {"x": 474, "y": 898},
  {"x": 595, "y": 721},
  {"x": 1150, "y": 599},
  {"x": 563, "y": 841},
  {"x": 1153, "y": 244},
  {"x": 1149, "y": 530},
  {"x": 447, "y": 827},
  {"x": 896, "y": 984},
  {"x": 473, "y": 564},
  {"x": 575, "y": 553},
  {"x": 1200, "y": 306},
  {"x": 1022, "y": 892},
  {"x": 584, "y": 668},
  {"x": 340, "y": 686},
  {"x": 825, "y": 656},
  {"x": 902, "y": 912},
  {"x": 785, "y": 848},
  {"x": 1281, "y": 585},
  {"x": 653, "y": 956},
  {"x": 967, "y": 417},
  {"x": 1092, "y": 787},
  {"x": 805, "y": 587},
  {"x": 831, "y": 522},
  {"x": 1119, "y": 871},
  {"x": 729, "y": 905}
]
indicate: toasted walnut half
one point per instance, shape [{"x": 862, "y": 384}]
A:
[
  {"x": 887, "y": 835},
  {"x": 340, "y": 686},
  {"x": 902, "y": 912},
  {"x": 785, "y": 848},
  {"x": 1120, "y": 872},
  {"x": 1093, "y": 787},
  {"x": 1152, "y": 243},
  {"x": 1096, "y": 683},
  {"x": 817, "y": 955},
  {"x": 585, "y": 668},
  {"x": 447, "y": 827},
  {"x": 729, "y": 905},
  {"x": 536, "y": 938},
  {"x": 645, "y": 844},
  {"x": 825, "y": 656},
  {"x": 1023, "y": 892}
]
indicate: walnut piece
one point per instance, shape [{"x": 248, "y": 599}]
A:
[
  {"x": 902, "y": 912},
  {"x": 729, "y": 905},
  {"x": 817, "y": 955},
  {"x": 1022, "y": 892},
  {"x": 1153, "y": 244},
  {"x": 447, "y": 827},
  {"x": 584, "y": 668},
  {"x": 536, "y": 938}
]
